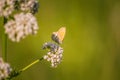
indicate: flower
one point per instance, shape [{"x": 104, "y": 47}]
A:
[
  {"x": 54, "y": 55},
  {"x": 29, "y": 5},
  {"x": 52, "y": 46},
  {"x": 22, "y": 25},
  {"x": 6, "y": 7},
  {"x": 5, "y": 69}
]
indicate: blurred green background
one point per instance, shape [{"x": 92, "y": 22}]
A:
[{"x": 91, "y": 45}]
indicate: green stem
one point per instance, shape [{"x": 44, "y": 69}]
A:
[
  {"x": 5, "y": 54},
  {"x": 15, "y": 73},
  {"x": 4, "y": 42},
  {"x": 28, "y": 66}
]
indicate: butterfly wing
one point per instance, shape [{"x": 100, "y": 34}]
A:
[{"x": 61, "y": 34}]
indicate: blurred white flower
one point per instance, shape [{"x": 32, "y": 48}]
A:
[
  {"x": 54, "y": 55},
  {"x": 22, "y": 25},
  {"x": 6, "y": 7},
  {"x": 5, "y": 69},
  {"x": 29, "y": 5}
]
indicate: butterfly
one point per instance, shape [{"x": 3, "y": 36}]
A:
[{"x": 59, "y": 35}]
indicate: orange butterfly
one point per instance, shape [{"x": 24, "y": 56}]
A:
[{"x": 59, "y": 35}]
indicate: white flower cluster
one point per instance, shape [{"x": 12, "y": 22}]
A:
[
  {"x": 54, "y": 55},
  {"x": 22, "y": 25},
  {"x": 4, "y": 69},
  {"x": 6, "y": 7},
  {"x": 28, "y": 5}
]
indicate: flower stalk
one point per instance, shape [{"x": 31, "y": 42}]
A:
[
  {"x": 4, "y": 47},
  {"x": 31, "y": 64},
  {"x": 16, "y": 73}
]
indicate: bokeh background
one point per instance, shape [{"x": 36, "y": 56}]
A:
[{"x": 91, "y": 45}]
